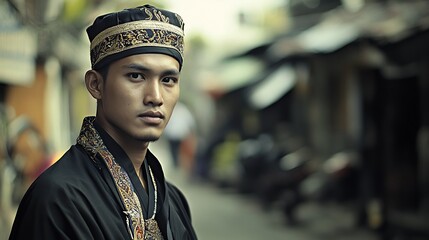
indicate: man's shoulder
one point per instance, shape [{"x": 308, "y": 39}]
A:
[
  {"x": 61, "y": 175},
  {"x": 181, "y": 208},
  {"x": 174, "y": 190},
  {"x": 177, "y": 197}
]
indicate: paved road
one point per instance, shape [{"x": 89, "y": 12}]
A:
[{"x": 224, "y": 215}]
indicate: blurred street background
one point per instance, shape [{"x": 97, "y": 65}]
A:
[{"x": 299, "y": 119}]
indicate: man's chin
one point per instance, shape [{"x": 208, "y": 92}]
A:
[
  {"x": 148, "y": 135},
  {"x": 149, "y": 138}
]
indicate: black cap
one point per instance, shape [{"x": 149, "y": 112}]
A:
[{"x": 144, "y": 29}]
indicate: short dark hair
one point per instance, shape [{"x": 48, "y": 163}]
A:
[{"x": 104, "y": 70}]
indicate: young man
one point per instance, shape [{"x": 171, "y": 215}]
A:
[{"x": 109, "y": 185}]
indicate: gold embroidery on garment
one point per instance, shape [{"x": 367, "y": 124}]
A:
[{"x": 139, "y": 228}]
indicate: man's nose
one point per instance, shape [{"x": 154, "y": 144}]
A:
[{"x": 153, "y": 93}]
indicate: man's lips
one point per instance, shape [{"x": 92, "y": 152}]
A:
[
  {"x": 154, "y": 114},
  {"x": 152, "y": 117}
]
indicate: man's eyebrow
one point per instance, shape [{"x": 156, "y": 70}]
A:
[
  {"x": 142, "y": 68},
  {"x": 138, "y": 67}
]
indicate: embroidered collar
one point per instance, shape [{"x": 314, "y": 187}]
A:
[{"x": 92, "y": 141}]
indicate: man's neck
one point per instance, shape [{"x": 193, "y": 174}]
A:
[
  {"x": 137, "y": 155},
  {"x": 136, "y": 150}
]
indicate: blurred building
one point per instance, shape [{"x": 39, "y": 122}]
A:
[{"x": 346, "y": 77}]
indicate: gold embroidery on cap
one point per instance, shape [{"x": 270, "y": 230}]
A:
[{"x": 136, "y": 34}]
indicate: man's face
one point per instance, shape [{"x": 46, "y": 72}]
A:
[{"x": 138, "y": 97}]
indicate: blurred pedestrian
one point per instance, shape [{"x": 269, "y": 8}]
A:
[{"x": 180, "y": 133}]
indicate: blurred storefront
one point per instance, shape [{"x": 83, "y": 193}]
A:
[{"x": 348, "y": 113}]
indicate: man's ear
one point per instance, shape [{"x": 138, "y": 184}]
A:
[{"x": 94, "y": 83}]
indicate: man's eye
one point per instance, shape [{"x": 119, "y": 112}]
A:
[
  {"x": 135, "y": 76},
  {"x": 169, "y": 80}
]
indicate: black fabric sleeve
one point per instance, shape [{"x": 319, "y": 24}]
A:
[
  {"x": 180, "y": 215},
  {"x": 180, "y": 199},
  {"x": 49, "y": 211}
]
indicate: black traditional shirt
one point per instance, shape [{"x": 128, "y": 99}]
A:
[{"x": 77, "y": 197}]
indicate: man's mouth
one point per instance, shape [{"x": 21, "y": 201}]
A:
[{"x": 152, "y": 117}]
